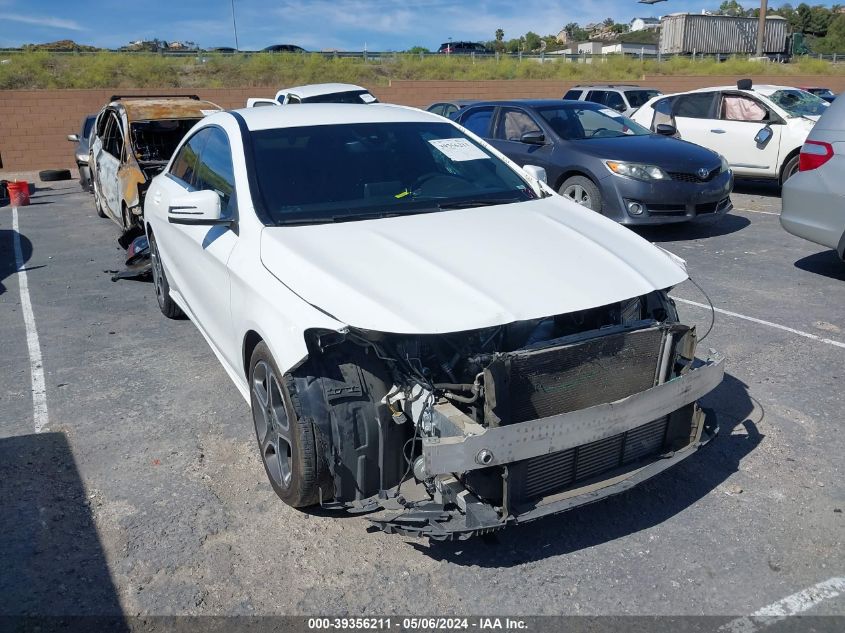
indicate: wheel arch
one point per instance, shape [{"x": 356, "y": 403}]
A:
[
  {"x": 250, "y": 342},
  {"x": 574, "y": 171}
]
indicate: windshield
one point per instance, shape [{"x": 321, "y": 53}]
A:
[
  {"x": 335, "y": 173},
  {"x": 574, "y": 123},
  {"x": 636, "y": 98},
  {"x": 799, "y": 103},
  {"x": 352, "y": 96},
  {"x": 155, "y": 141}
]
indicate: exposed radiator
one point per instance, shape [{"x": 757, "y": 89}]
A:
[
  {"x": 551, "y": 473},
  {"x": 533, "y": 384}
]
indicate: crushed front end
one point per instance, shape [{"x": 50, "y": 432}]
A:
[{"x": 510, "y": 424}]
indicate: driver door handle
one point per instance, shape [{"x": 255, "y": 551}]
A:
[{"x": 718, "y": 131}]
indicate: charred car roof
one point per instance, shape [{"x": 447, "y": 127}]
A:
[{"x": 156, "y": 108}]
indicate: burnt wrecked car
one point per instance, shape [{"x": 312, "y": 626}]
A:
[
  {"x": 423, "y": 330},
  {"x": 133, "y": 140}
]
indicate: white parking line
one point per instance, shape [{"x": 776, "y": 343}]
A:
[
  {"x": 756, "y": 211},
  {"x": 791, "y": 605},
  {"x": 813, "y": 337},
  {"x": 36, "y": 367}
]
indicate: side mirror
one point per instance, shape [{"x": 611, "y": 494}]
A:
[
  {"x": 664, "y": 129},
  {"x": 538, "y": 173},
  {"x": 764, "y": 136},
  {"x": 198, "y": 207},
  {"x": 533, "y": 138},
  {"x": 73, "y": 138}
]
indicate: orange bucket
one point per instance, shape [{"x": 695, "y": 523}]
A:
[{"x": 18, "y": 193}]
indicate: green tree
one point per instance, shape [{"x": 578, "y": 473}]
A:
[
  {"x": 834, "y": 41},
  {"x": 514, "y": 45},
  {"x": 500, "y": 35},
  {"x": 416, "y": 50},
  {"x": 731, "y": 7},
  {"x": 608, "y": 22},
  {"x": 532, "y": 41}
]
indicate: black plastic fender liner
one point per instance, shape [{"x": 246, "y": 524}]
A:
[{"x": 340, "y": 393}]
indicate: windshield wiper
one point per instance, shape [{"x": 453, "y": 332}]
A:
[
  {"x": 352, "y": 217},
  {"x": 477, "y": 202}
]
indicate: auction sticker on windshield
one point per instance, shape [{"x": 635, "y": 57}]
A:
[
  {"x": 458, "y": 149},
  {"x": 609, "y": 112}
]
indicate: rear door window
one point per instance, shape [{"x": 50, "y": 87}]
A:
[
  {"x": 614, "y": 100},
  {"x": 575, "y": 95},
  {"x": 514, "y": 123},
  {"x": 478, "y": 121},
  {"x": 696, "y": 105},
  {"x": 597, "y": 96}
]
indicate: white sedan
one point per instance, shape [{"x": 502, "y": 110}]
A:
[
  {"x": 758, "y": 129},
  {"x": 420, "y": 326},
  {"x": 316, "y": 93}
]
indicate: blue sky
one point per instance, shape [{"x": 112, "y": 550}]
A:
[{"x": 313, "y": 24}]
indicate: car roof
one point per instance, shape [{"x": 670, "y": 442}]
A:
[
  {"x": 535, "y": 103},
  {"x": 763, "y": 89},
  {"x": 314, "y": 90},
  {"x": 611, "y": 86},
  {"x": 151, "y": 109},
  {"x": 332, "y": 114}
]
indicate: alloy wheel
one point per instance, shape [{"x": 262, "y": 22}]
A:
[
  {"x": 158, "y": 273},
  {"x": 272, "y": 425},
  {"x": 578, "y": 194}
]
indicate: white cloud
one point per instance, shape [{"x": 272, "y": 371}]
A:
[{"x": 52, "y": 23}]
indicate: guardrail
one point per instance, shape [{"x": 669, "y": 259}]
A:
[{"x": 379, "y": 56}]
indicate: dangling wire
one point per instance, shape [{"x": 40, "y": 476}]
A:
[{"x": 712, "y": 309}]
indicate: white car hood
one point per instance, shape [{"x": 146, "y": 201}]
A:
[{"x": 472, "y": 268}]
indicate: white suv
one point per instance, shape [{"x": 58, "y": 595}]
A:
[
  {"x": 758, "y": 129},
  {"x": 316, "y": 93},
  {"x": 624, "y": 98}
]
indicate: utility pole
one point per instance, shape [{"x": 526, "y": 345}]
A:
[
  {"x": 235, "y": 27},
  {"x": 761, "y": 28}
]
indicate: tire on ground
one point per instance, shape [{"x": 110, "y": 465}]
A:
[
  {"x": 166, "y": 304},
  {"x": 789, "y": 169},
  {"x": 52, "y": 175},
  {"x": 588, "y": 186},
  {"x": 306, "y": 468}
]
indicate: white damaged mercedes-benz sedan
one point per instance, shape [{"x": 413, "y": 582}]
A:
[{"x": 424, "y": 331}]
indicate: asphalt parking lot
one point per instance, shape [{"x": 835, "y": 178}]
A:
[{"x": 144, "y": 494}]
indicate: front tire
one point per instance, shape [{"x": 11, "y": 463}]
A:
[
  {"x": 286, "y": 443},
  {"x": 583, "y": 191},
  {"x": 166, "y": 304}
]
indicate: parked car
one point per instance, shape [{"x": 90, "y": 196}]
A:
[
  {"x": 812, "y": 199},
  {"x": 80, "y": 153},
  {"x": 317, "y": 93},
  {"x": 408, "y": 313},
  {"x": 449, "y": 109},
  {"x": 283, "y": 48},
  {"x": 824, "y": 93},
  {"x": 624, "y": 98},
  {"x": 604, "y": 161},
  {"x": 133, "y": 139},
  {"x": 464, "y": 48},
  {"x": 759, "y": 129}
]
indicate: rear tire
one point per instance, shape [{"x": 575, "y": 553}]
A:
[
  {"x": 285, "y": 442},
  {"x": 52, "y": 175},
  {"x": 583, "y": 191},
  {"x": 789, "y": 169},
  {"x": 166, "y": 304},
  {"x": 97, "y": 206}
]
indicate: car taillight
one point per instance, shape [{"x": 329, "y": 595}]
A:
[{"x": 814, "y": 154}]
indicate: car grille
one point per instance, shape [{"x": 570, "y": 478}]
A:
[
  {"x": 686, "y": 177},
  {"x": 711, "y": 207},
  {"x": 567, "y": 378}
]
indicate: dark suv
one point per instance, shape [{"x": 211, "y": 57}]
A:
[{"x": 464, "y": 48}]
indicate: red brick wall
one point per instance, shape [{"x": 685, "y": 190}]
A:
[{"x": 34, "y": 123}]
